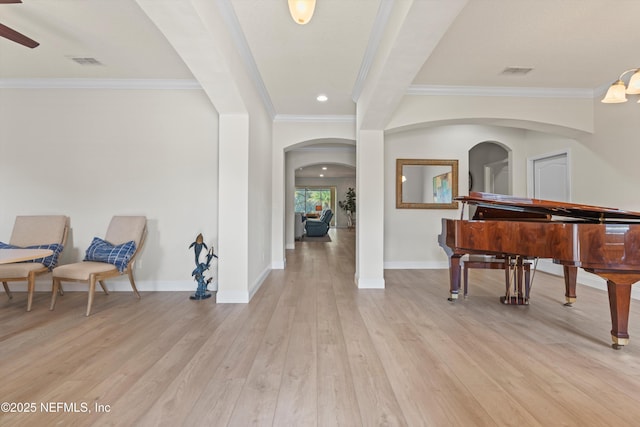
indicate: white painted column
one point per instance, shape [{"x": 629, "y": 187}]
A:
[
  {"x": 278, "y": 260},
  {"x": 233, "y": 209},
  {"x": 289, "y": 205},
  {"x": 370, "y": 222}
]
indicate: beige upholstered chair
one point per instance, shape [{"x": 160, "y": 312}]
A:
[
  {"x": 30, "y": 231},
  {"x": 98, "y": 265}
]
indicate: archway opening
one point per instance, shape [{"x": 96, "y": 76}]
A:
[{"x": 490, "y": 168}]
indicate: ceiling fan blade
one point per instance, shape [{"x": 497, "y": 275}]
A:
[
  {"x": 10, "y": 1},
  {"x": 15, "y": 36}
]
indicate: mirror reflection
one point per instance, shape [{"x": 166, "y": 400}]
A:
[{"x": 426, "y": 184}]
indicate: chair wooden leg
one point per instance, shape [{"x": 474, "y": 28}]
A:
[
  {"x": 60, "y": 290},
  {"x": 31, "y": 287},
  {"x": 133, "y": 283},
  {"x": 55, "y": 287},
  {"x": 7, "y": 290},
  {"x": 92, "y": 292},
  {"x": 103, "y": 286}
]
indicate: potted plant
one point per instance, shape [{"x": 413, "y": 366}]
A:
[{"x": 349, "y": 206}]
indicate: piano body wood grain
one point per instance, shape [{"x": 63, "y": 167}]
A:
[{"x": 602, "y": 241}]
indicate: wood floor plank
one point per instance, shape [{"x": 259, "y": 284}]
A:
[
  {"x": 256, "y": 403},
  {"x": 297, "y": 396},
  {"x": 337, "y": 398},
  {"x": 377, "y": 403}
]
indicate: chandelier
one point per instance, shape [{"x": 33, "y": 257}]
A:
[
  {"x": 618, "y": 91},
  {"x": 302, "y": 10}
]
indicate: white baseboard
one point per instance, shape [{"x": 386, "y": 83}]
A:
[
  {"x": 120, "y": 284},
  {"x": 258, "y": 283},
  {"x": 232, "y": 297},
  {"x": 370, "y": 283},
  {"x": 415, "y": 265}
]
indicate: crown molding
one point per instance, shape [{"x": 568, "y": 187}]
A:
[
  {"x": 521, "y": 92},
  {"x": 242, "y": 47},
  {"x": 292, "y": 118},
  {"x": 379, "y": 25},
  {"x": 155, "y": 84}
]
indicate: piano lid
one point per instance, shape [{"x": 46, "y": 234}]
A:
[{"x": 548, "y": 207}]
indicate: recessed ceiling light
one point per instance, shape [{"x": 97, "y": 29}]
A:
[
  {"x": 321, "y": 175},
  {"x": 322, "y": 98},
  {"x": 324, "y": 168}
]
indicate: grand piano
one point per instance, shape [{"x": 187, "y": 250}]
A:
[{"x": 603, "y": 241}]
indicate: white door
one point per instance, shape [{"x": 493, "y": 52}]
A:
[{"x": 549, "y": 177}]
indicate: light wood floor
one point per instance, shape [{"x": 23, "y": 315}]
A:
[{"x": 310, "y": 349}]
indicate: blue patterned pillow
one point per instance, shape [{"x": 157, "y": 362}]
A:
[
  {"x": 103, "y": 251},
  {"x": 49, "y": 262}
]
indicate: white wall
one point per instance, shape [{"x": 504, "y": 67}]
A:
[
  {"x": 543, "y": 114},
  {"x": 260, "y": 187},
  {"x": 92, "y": 154}
]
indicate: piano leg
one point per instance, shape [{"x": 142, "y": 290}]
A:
[
  {"x": 507, "y": 280},
  {"x": 454, "y": 276},
  {"x": 527, "y": 280},
  {"x": 519, "y": 281},
  {"x": 619, "y": 301},
  {"x": 570, "y": 275},
  {"x": 517, "y": 290}
]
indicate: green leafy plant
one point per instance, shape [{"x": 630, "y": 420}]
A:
[{"x": 350, "y": 203}]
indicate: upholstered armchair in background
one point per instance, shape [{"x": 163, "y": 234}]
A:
[
  {"x": 319, "y": 227},
  {"x": 105, "y": 258},
  {"x": 34, "y": 232}
]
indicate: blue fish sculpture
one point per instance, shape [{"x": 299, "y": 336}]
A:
[{"x": 198, "y": 245}]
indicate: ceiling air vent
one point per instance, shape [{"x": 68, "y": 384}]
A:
[
  {"x": 516, "y": 71},
  {"x": 86, "y": 61}
]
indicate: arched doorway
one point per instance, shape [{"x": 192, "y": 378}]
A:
[
  {"x": 304, "y": 164},
  {"x": 490, "y": 168}
]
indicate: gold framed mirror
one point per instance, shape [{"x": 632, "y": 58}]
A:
[{"x": 426, "y": 184}]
